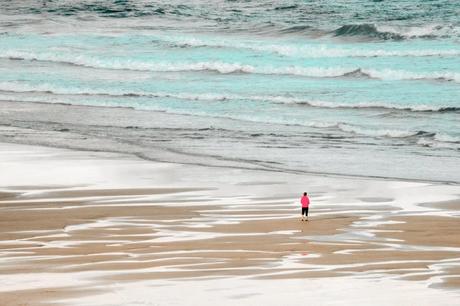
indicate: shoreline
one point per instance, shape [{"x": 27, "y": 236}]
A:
[
  {"x": 165, "y": 141},
  {"x": 251, "y": 166},
  {"x": 114, "y": 220},
  {"x": 311, "y": 173}
]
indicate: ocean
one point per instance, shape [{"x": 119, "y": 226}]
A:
[{"x": 359, "y": 88}]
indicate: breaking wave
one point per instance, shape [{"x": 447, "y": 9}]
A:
[
  {"x": 423, "y": 138},
  {"x": 370, "y": 105},
  {"x": 441, "y": 141},
  {"x": 368, "y": 30},
  {"x": 377, "y": 132},
  {"x": 229, "y": 68},
  {"x": 21, "y": 87},
  {"x": 309, "y": 51},
  {"x": 397, "y": 33}
]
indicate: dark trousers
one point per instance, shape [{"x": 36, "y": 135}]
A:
[{"x": 305, "y": 211}]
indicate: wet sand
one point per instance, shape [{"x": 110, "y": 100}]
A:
[{"x": 191, "y": 229}]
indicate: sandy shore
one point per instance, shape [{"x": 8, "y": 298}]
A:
[{"x": 73, "y": 225}]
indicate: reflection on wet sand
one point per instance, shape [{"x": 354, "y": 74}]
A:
[{"x": 74, "y": 243}]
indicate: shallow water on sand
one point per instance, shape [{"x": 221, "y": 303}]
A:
[
  {"x": 106, "y": 229},
  {"x": 291, "y": 81}
]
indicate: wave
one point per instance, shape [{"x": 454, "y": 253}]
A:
[
  {"x": 286, "y": 7},
  {"x": 423, "y": 138},
  {"x": 368, "y": 30},
  {"x": 21, "y": 87},
  {"x": 368, "y": 105},
  {"x": 308, "y": 51},
  {"x": 112, "y": 9},
  {"x": 377, "y": 133},
  {"x": 296, "y": 29},
  {"x": 129, "y": 64},
  {"x": 386, "y": 32},
  {"x": 425, "y": 31},
  {"x": 390, "y": 74},
  {"x": 442, "y": 141},
  {"x": 229, "y": 68},
  {"x": 351, "y": 105}
]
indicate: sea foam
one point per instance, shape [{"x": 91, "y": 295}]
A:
[{"x": 232, "y": 67}]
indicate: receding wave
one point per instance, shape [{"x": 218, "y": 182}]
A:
[
  {"x": 387, "y": 32},
  {"x": 21, "y": 87},
  {"x": 376, "y": 132},
  {"x": 440, "y": 140},
  {"x": 425, "y": 138},
  {"x": 228, "y": 68},
  {"x": 365, "y": 105}
]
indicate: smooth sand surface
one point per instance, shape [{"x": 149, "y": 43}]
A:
[{"x": 180, "y": 225}]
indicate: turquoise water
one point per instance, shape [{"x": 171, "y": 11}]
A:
[{"x": 376, "y": 73}]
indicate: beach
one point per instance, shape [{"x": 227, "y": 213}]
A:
[
  {"x": 155, "y": 153},
  {"x": 93, "y": 228}
]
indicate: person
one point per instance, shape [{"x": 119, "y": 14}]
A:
[{"x": 305, "y": 201}]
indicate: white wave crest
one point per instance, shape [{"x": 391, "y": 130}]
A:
[
  {"x": 129, "y": 64},
  {"x": 226, "y": 68},
  {"x": 364, "y": 105},
  {"x": 390, "y": 74},
  {"x": 22, "y": 87},
  {"x": 51, "y": 88},
  {"x": 323, "y": 125},
  {"x": 310, "y": 50},
  {"x": 434, "y": 30},
  {"x": 375, "y": 133},
  {"x": 15, "y": 86}
]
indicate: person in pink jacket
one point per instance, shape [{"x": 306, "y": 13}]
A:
[{"x": 305, "y": 201}]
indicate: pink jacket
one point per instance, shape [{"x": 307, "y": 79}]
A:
[{"x": 305, "y": 201}]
